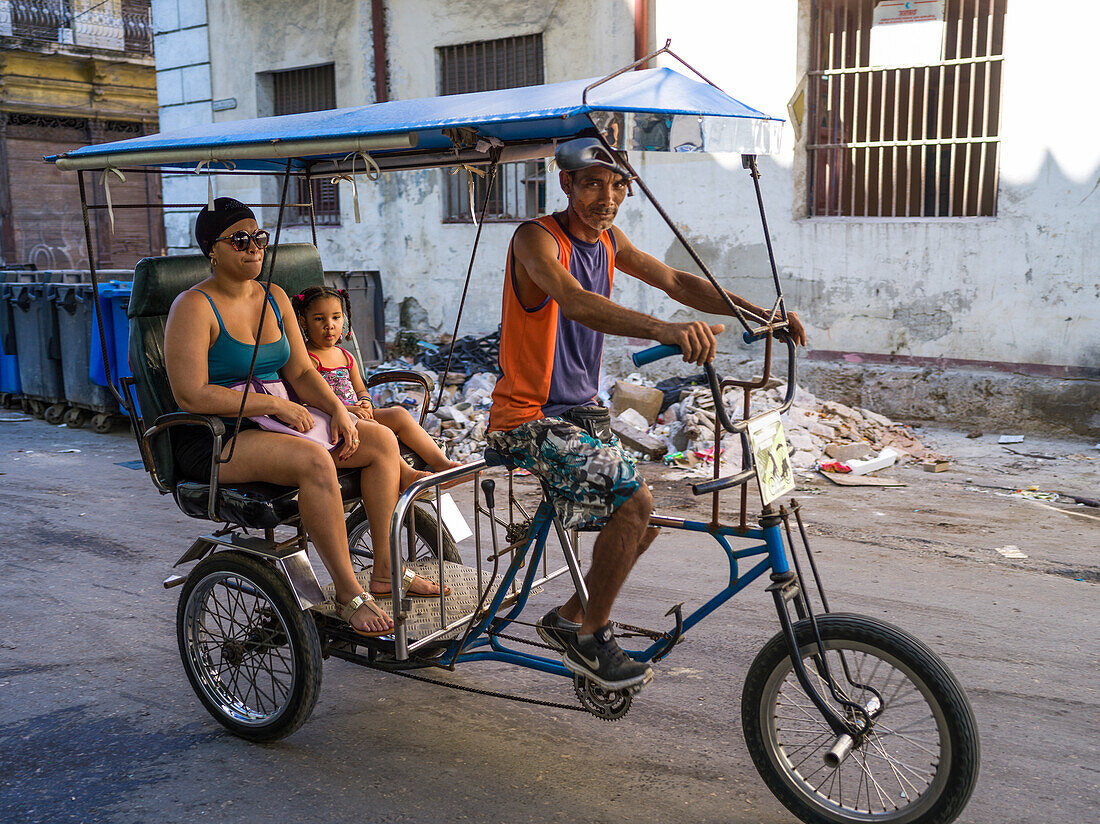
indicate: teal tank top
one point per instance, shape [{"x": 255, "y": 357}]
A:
[{"x": 228, "y": 359}]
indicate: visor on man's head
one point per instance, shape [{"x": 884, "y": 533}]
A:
[{"x": 584, "y": 152}]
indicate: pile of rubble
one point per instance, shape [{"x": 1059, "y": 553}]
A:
[
  {"x": 676, "y": 426},
  {"x": 819, "y": 432}
]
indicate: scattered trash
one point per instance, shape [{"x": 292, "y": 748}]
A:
[
  {"x": 1031, "y": 454},
  {"x": 835, "y": 466},
  {"x": 861, "y": 480},
  {"x": 1010, "y": 439},
  {"x": 1011, "y": 551},
  {"x": 887, "y": 457},
  {"x": 936, "y": 466},
  {"x": 977, "y": 433},
  {"x": 632, "y": 417},
  {"x": 131, "y": 464},
  {"x": 1035, "y": 494},
  {"x": 66, "y": 451},
  {"x": 15, "y": 418},
  {"x": 848, "y": 451},
  {"x": 471, "y": 355}
]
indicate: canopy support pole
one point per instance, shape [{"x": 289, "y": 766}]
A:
[
  {"x": 263, "y": 314},
  {"x": 490, "y": 180},
  {"x": 95, "y": 298}
]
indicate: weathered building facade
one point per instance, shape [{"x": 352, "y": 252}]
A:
[
  {"x": 73, "y": 73},
  {"x": 936, "y": 217}
]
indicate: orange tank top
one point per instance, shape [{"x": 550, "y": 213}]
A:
[{"x": 549, "y": 363}]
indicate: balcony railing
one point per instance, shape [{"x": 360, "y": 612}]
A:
[{"x": 121, "y": 25}]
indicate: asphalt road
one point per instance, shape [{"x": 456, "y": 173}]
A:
[{"x": 99, "y": 724}]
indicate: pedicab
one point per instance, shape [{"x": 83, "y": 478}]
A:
[{"x": 847, "y": 718}]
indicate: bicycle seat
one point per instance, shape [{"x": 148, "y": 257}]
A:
[{"x": 494, "y": 458}]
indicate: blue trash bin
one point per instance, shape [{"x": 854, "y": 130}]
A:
[
  {"x": 75, "y": 311},
  {"x": 114, "y": 298}
]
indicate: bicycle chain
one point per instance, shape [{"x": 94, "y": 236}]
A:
[{"x": 477, "y": 691}]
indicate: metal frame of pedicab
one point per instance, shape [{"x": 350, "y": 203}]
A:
[{"x": 481, "y": 636}]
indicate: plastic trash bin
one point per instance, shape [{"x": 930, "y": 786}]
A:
[
  {"x": 114, "y": 298},
  {"x": 10, "y": 385},
  {"x": 75, "y": 310},
  {"x": 38, "y": 348}
]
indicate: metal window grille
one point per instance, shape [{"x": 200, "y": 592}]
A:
[
  {"x": 520, "y": 189},
  {"x": 308, "y": 90},
  {"x": 905, "y": 141}
]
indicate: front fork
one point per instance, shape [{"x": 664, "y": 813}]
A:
[{"x": 789, "y": 587}]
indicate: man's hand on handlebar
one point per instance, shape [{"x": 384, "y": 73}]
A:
[
  {"x": 796, "y": 329},
  {"x": 696, "y": 339}
]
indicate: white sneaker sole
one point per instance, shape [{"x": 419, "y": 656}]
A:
[{"x": 637, "y": 681}]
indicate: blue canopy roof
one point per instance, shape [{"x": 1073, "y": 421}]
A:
[{"x": 397, "y": 133}]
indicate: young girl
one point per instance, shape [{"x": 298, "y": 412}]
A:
[{"x": 322, "y": 313}]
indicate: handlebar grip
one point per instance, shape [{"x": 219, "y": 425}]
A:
[
  {"x": 655, "y": 353},
  {"x": 488, "y": 486},
  {"x": 749, "y": 337}
]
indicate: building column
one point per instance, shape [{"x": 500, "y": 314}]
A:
[{"x": 182, "y": 48}]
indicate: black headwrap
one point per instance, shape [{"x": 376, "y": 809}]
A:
[{"x": 210, "y": 225}]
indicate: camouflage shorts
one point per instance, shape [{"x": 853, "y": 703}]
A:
[{"x": 588, "y": 479}]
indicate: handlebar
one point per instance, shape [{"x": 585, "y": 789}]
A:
[{"x": 661, "y": 351}]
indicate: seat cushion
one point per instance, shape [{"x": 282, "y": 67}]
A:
[{"x": 255, "y": 506}]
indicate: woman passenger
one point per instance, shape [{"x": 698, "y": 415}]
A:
[{"x": 208, "y": 344}]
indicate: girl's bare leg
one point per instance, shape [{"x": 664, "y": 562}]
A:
[
  {"x": 412, "y": 434},
  {"x": 383, "y": 476},
  {"x": 290, "y": 461}
]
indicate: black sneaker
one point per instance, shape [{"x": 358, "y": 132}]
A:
[
  {"x": 599, "y": 658},
  {"x": 556, "y": 631}
]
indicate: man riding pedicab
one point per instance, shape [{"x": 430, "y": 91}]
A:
[{"x": 544, "y": 417}]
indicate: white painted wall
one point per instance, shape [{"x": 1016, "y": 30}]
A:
[{"x": 1021, "y": 287}]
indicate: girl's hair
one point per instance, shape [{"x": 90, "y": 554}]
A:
[{"x": 303, "y": 301}]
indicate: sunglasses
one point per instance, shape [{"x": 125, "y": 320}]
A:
[{"x": 242, "y": 240}]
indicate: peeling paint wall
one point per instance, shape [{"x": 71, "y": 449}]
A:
[{"x": 1023, "y": 287}]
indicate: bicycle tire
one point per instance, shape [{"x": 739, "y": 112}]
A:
[
  {"x": 252, "y": 655},
  {"x": 947, "y": 722}
]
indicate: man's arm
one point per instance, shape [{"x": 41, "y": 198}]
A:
[
  {"x": 689, "y": 289},
  {"x": 542, "y": 274}
]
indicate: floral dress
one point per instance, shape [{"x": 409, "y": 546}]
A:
[{"x": 339, "y": 377}]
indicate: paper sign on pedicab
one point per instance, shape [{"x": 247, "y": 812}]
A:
[{"x": 771, "y": 457}]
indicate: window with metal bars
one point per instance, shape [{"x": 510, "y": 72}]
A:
[
  {"x": 519, "y": 192},
  {"x": 904, "y": 140},
  {"x": 308, "y": 90}
]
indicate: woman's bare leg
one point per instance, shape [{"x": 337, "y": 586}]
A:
[{"x": 290, "y": 461}]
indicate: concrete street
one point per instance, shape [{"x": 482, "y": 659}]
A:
[{"x": 99, "y": 724}]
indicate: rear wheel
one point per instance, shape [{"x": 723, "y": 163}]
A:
[
  {"x": 425, "y": 547},
  {"x": 919, "y": 762},
  {"x": 252, "y": 655}
]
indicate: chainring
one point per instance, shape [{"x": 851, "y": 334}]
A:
[{"x": 608, "y": 705}]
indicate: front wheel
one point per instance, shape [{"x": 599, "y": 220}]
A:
[
  {"x": 917, "y": 765},
  {"x": 252, "y": 655}
]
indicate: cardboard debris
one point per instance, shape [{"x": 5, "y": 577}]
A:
[
  {"x": 860, "y": 480},
  {"x": 1010, "y": 439},
  {"x": 936, "y": 466},
  {"x": 645, "y": 400}
]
